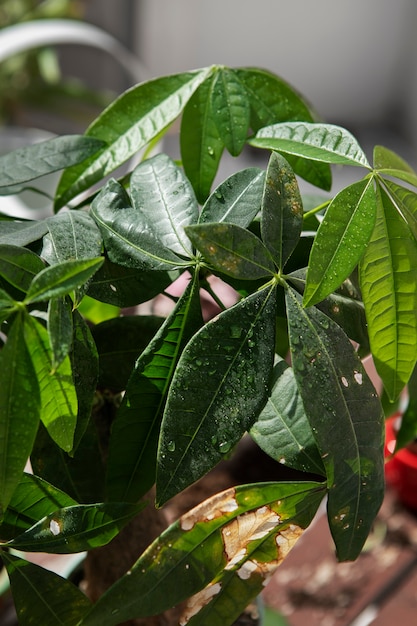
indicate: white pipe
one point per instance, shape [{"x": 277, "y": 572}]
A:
[{"x": 38, "y": 33}]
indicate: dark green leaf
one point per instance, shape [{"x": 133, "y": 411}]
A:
[
  {"x": 319, "y": 142},
  {"x": 22, "y": 233},
  {"x": 272, "y": 99},
  {"x": 125, "y": 287},
  {"x": 59, "y": 329},
  {"x": 43, "y": 597},
  {"x": 237, "y": 200},
  {"x": 19, "y": 266},
  {"x": 219, "y": 388},
  {"x": 340, "y": 240},
  {"x": 58, "y": 398},
  {"x": 388, "y": 277},
  {"x": 230, "y": 109},
  {"x": 32, "y": 499},
  {"x": 127, "y": 125},
  {"x": 347, "y": 421},
  {"x": 120, "y": 341},
  {"x": 389, "y": 163},
  {"x": 232, "y": 250},
  {"x": 282, "y": 430},
  {"x": 201, "y": 146},
  {"x": 217, "y": 537},
  {"x": 128, "y": 236},
  {"x": 165, "y": 202},
  {"x": 45, "y": 157},
  {"x": 59, "y": 280},
  {"x": 19, "y": 410},
  {"x": 407, "y": 432},
  {"x": 72, "y": 235},
  {"x": 282, "y": 210},
  {"x": 135, "y": 431},
  {"x": 317, "y": 173},
  {"x": 76, "y": 528}
]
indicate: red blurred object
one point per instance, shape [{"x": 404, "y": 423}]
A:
[{"x": 401, "y": 467}]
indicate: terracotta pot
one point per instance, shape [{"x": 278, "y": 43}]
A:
[{"x": 401, "y": 467}]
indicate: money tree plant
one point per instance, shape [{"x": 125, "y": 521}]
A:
[{"x": 119, "y": 412}]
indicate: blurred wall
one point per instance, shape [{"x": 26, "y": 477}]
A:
[{"x": 351, "y": 58}]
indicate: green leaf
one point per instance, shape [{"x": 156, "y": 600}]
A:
[
  {"x": 19, "y": 266},
  {"x": 406, "y": 202},
  {"x": 135, "y": 431},
  {"x": 32, "y": 499},
  {"x": 128, "y": 236},
  {"x": 232, "y": 250},
  {"x": 84, "y": 365},
  {"x": 60, "y": 329},
  {"x": 230, "y": 109},
  {"x": 388, "y": 278},
  {"x": 282, "y": 210},
  {"x": 76, "y": 528},
  {"x": 219, "y": 388},
  {"x": 318, "y": 142},
  {"x": 125, "y": 287},
  {"x": 19, "y": 410},
  {"x": 272, "y": 99},
  {"x": 341, "y": 239},
  {"x": 282, "y": 429},
  {"x": 6, "y": 301},
  {"x": 59, "y": 280},
  {"x": 22, "y": 233},
  {"x": 25, "y": 164},
  {"x": 72, "y": 235},
  {"x": 218, "y": 535},
  {"x": 336, "y": 391},
  {"x": 58, "y": 397},
  {"x": 165, "y": 201},
  {"x": 407, "y": 432},
  {"x": 389, "y": 163},
  {"x": 43, "y": 597},
  {"x": 317, "y": 173},
  {"x": 237, "y": 200},
  {"x": 201, "y": 146},
  {"x": 119, "y": 342},
  {"x": 135, "y": 118}
]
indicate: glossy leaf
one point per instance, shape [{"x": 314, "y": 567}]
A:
[
  {"x": 59, "y": 280},
  {"x": 191, "y": 553},
  {"x": 406, "y": 202},
  {"x": 43, "y": 597},
  {"x": 389, "y": 163},
  {"x": 165, "y": 201},
  {"x": 125, "y": 287},
  {"x": 230, "y": 109},
  {"x": 135, "y": 431},
  {"x": 19, "y": 266},
  {"x": 32, "y": 499},
  {"x": 220, "y": 385},
  {"x": 45, "y": 157},
  {"x": 19, "y": 410},
  {"x": 58, "y": 398},
  {"x": 272, "y": 99},
  {"x": 321, "y": 142},
  {"x": 76, "y": 528},
  {"x": 340, "y": 240},
  {"x": 237, "y": 200},
  {"x": 72, "y": 235},
  {"x": 201, "y": 146},
  {"x": 60, "y": 329},
  {"x": 127, "y": 125},
  {"x": 232, "y": 250},
  {"x": 282, "y": 429},
  {"x": 347, "y": 421},
  {"x": 129, "y": 238},
  {"x": 282, "y": 210},
  {"x": 120, "y": 341},
  {"x": 388, "y": 278}
]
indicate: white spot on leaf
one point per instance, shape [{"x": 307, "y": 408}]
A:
[
  {"x": 358, "y": 377},
  {"x": 212, "y": 508},
  {"x": 54, "y": 527},
  {"x": 345, "y": 382},
  {"x": 198, "y": 602}
]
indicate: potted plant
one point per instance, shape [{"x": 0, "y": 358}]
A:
[{"x": 106, "y": 405}]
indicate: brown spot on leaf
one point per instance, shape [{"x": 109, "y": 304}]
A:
[
  {"x": 212, "y": 508},
  {"x": 198, "y": 602}
]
